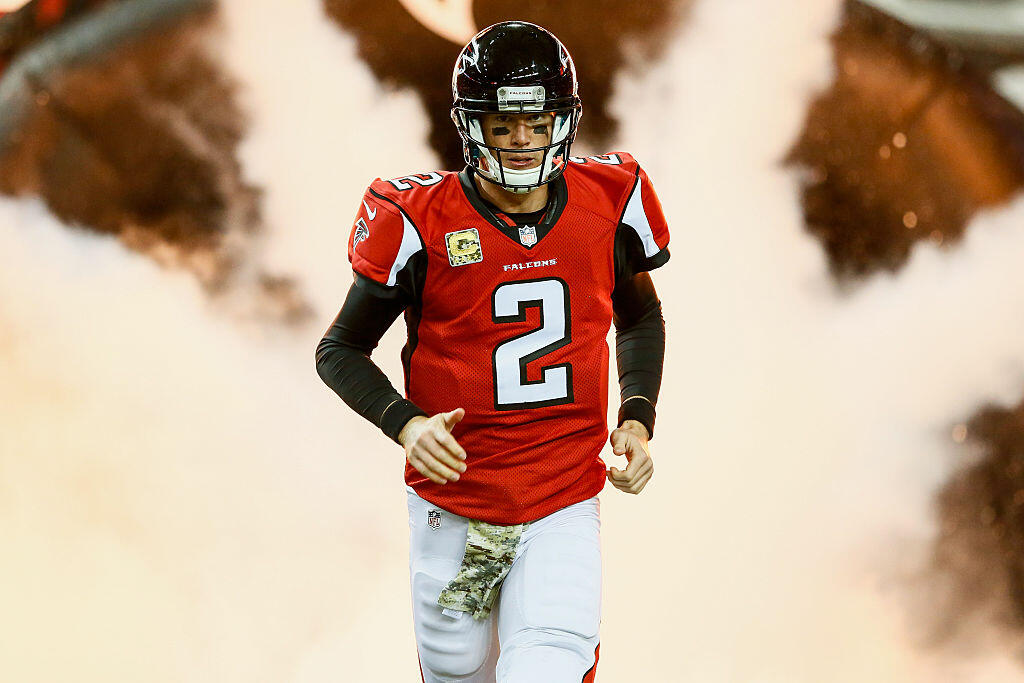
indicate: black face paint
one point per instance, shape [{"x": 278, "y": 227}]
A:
[
  {"x": 500, "y": 130},
  {"x": 540, "y": 130}
]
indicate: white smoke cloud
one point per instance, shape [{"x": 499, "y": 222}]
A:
[
  {"x": 809, "y": 429},
  {"x": 180, "y": 496},
  {"x": 182, "y": 499}
]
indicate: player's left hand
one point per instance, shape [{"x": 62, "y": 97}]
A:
[{"x": 630, "y": 440}]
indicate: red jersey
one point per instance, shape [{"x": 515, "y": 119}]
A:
[{"x": 510, "y": 322}]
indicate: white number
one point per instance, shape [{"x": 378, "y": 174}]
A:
[
  {"x": 512, "y": 390},
  {"x": 421, "y": 179},
  {"x": 610, "y": 159}
]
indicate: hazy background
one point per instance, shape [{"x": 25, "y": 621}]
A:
[{"x": 181, "y": 499}]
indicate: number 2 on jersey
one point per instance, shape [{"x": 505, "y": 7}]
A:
[{"x": 512, "y": 390}]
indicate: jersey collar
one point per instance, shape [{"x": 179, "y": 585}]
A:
[{"x": 558, "y": 196}]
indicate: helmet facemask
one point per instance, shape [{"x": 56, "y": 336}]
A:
[{"x": 486, "y": 159}]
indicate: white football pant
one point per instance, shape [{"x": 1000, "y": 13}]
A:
[{"x": 547, "y": 614}]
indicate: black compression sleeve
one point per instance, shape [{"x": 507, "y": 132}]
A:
[
  {"x": 639, "y": 348},
  {"x": 343, "y": 360}
]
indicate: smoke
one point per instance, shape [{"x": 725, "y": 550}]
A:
[
  {"x": 978, "y": 552},
  {"x": 941, "y": 145},
  {"x": 140, "y": 142},
  {"x": 804, "y": 431},
  {"x": 181, "y": 498}
]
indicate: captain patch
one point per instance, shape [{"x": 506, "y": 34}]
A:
[{"x": 463, "y": 247}]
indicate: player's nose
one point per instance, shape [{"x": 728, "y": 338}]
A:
[{"x": 521, "y": 134}]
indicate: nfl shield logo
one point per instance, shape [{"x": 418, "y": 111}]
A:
[
  {"x": 434, "y": 519},
  {"x": 528, "y": 235}
]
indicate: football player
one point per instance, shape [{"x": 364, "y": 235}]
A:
[{"x": 509, "y": 274}]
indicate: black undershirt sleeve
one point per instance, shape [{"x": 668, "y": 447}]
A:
[
  {"x": 639, "y": 348},
  {"x": 343, "y": 360}
]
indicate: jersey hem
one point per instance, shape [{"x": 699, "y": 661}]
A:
[{"x": 530, "y": 515}]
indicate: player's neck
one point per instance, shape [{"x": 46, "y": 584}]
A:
[{"x": 511, "y": 202}]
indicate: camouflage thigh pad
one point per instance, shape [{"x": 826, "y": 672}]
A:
[{"x": 490, "y": 549}]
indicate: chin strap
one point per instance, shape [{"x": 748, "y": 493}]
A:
[{"x": 515, "y": 189}]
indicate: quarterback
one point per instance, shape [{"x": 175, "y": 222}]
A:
[{"x": 509, "y": 274}]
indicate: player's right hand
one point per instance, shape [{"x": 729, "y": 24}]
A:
[{"x": 431, "y": 448}]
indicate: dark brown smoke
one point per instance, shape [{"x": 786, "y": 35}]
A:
[
  {"x": 979, "y": 555},
  {"x": 908, "y": 143},
  {"x": 111, "y": 145},
  {"x": 141, "y": 143},
  {"x": 603, "y": 36}
]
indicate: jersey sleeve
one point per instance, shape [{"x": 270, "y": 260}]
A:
[
  {"x": 383, "y": 245},
  {"x": 642, "y": 236}
]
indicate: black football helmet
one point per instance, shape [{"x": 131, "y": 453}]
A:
[{"x": 515, "y": 67}]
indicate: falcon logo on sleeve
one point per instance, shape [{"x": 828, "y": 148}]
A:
[{"x": 361, "y": 232}]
